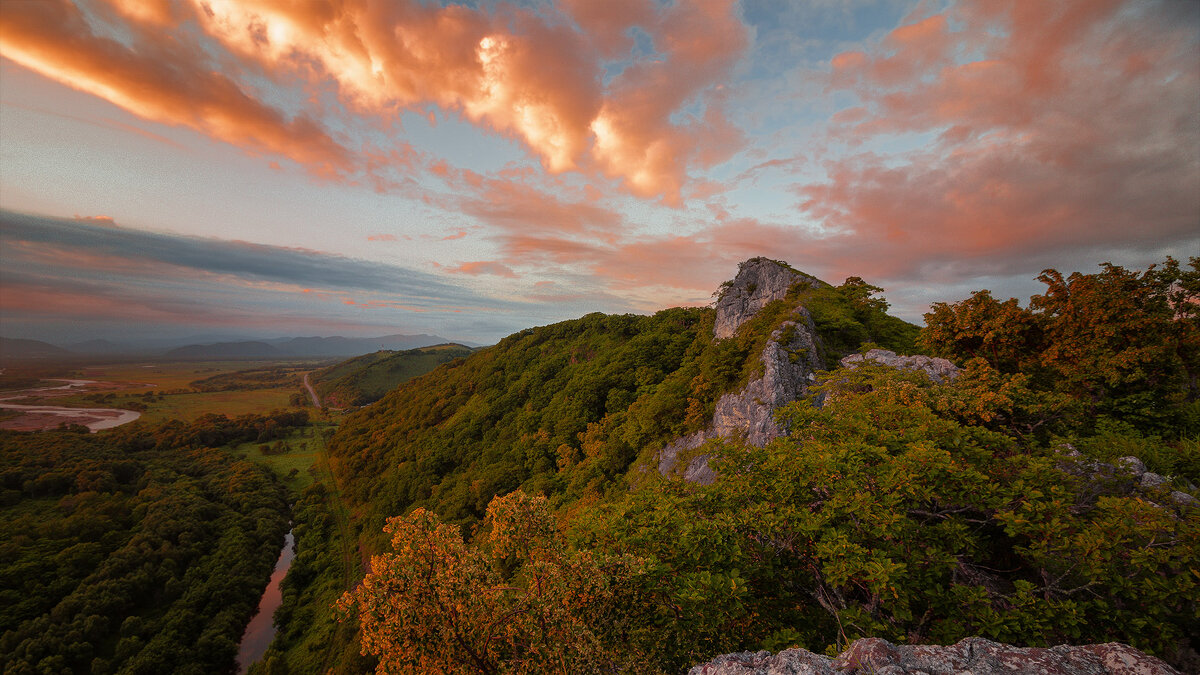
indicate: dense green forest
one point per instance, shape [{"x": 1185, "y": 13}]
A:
[
  {"x": 365, "y": 379},
  {"x": 140, "y": 550},
  {"x": 528, "y": 536}
]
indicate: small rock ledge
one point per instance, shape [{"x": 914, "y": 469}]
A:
[
  {"x": 938, "y": 370},
  {"x": 974, "y": 656}
]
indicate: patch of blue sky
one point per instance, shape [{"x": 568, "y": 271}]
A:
[
  {"x": 461, "y": 143},
  {"x": 786, "y": 31},
  {"x": 893, "y": 149}
]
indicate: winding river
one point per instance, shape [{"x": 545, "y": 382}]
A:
[
  {"x": 261, "y": 629},
  {"x": 94, "y": 419}
]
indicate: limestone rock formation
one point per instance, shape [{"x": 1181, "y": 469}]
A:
[
  {"x": 977, "y": 656},
  {"x": 758, "y": 282},
  {"x": 1130, "y": 468},
  {"x": 790, "y": 359},
  {"x": 939, "y": 370}
]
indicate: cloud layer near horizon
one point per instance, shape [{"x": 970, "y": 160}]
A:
[
  {"x": 88, "y": 269},
  {"x": 651, "y": 146}
]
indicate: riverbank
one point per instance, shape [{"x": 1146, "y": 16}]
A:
[
  {"x": 43, "y": 417},
  {"x": 261, "y": 629}
]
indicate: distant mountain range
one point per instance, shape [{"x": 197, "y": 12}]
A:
[
  {"x": 17, "y": 348},
  {"x": 220, "y": 347}
]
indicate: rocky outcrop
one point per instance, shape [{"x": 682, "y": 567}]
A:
[
  {"x": 938, "y": 370},
  {"x": 790, "y": 359},
  {"x": 976, "y": 656},
  {"x": 1131, "y": 470},
  {"x": 758, "y": 282}
]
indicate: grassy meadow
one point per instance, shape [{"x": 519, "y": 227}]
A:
[{"x": 185, "y": 390}]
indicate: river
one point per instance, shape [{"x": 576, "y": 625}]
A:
[
  {"x": 94, "y": 419},
  {"x": 261, "y": 629}
]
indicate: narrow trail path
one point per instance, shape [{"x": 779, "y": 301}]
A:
[{"x": 312, "y": 392}]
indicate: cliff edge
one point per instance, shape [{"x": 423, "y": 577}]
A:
[{"x": 976, "y": 656}]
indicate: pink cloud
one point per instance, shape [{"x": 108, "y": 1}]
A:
[
  {"x": 537, "y": 78},
  {"x": 1071, "y": 125},
  {"x": 160, "y": 79},
  {"x": 381, "y": 237},
  {"x": 484, "y": 267}
]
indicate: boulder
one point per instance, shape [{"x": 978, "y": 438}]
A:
[
  {"x": 1132, "y": 465},
  {"x": 938, "y": 370},
  {"x": 790, "y": 361},
  {"x": 976, "y": 656}
]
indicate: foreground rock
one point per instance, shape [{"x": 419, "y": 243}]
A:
[{"x": 976, "y": 656}]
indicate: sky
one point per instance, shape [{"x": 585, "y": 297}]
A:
[{"x": 469, "y": 169}]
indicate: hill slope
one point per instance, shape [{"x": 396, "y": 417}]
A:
[
  {"x": 365, "y": 379},
  {"x": 567, "y": 409},
  {"x": 14, "y": 349},
  {"x": 227, "y": 350}
]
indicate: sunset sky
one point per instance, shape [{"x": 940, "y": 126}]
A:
[{"x": 363, "y": 167}]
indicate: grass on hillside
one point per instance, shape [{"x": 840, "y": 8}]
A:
[{"x": 295, "y": 467}]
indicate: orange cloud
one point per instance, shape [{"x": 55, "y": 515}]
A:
[
  {"x": 608, "y": 23},
  {"x": 1070, "y": 126},
  {"x": 160, "y": 79},
  {"x": 634, "y": 137},
  {"x": 538, "y": 78}
]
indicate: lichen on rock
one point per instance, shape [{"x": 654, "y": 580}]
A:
[
  {"x": 758, "y": 282},
  {"x": 977, "y": 656},
  {"x": 939, "y": 370}
]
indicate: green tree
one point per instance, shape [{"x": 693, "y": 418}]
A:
[{"x": 1126, "y": 344}]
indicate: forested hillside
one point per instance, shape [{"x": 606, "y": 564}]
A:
[
  {"x": 365, "y": 379},
  {"x": 565, "y": 410},
  {"x": 533, "y": 533}
]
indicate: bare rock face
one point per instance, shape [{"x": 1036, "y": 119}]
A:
[
  {"x": 790, "y": 359},
  {"x": 939, "y": 370},
  {"x": 977, "y": 656},
  {"x": 1134, "y": 473},
  {"x": 758, "y": 282}
]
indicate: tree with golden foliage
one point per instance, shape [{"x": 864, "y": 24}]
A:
[{"x": 518, "y": 600}]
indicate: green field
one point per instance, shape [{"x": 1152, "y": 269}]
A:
[
  {"x": 165, "y": 390},
  {"x": 298, "y": 466}
]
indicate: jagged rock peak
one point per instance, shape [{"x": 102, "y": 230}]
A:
[
  {"x": 758, "y": 282},
  {"x": 977, "y": 656}
]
